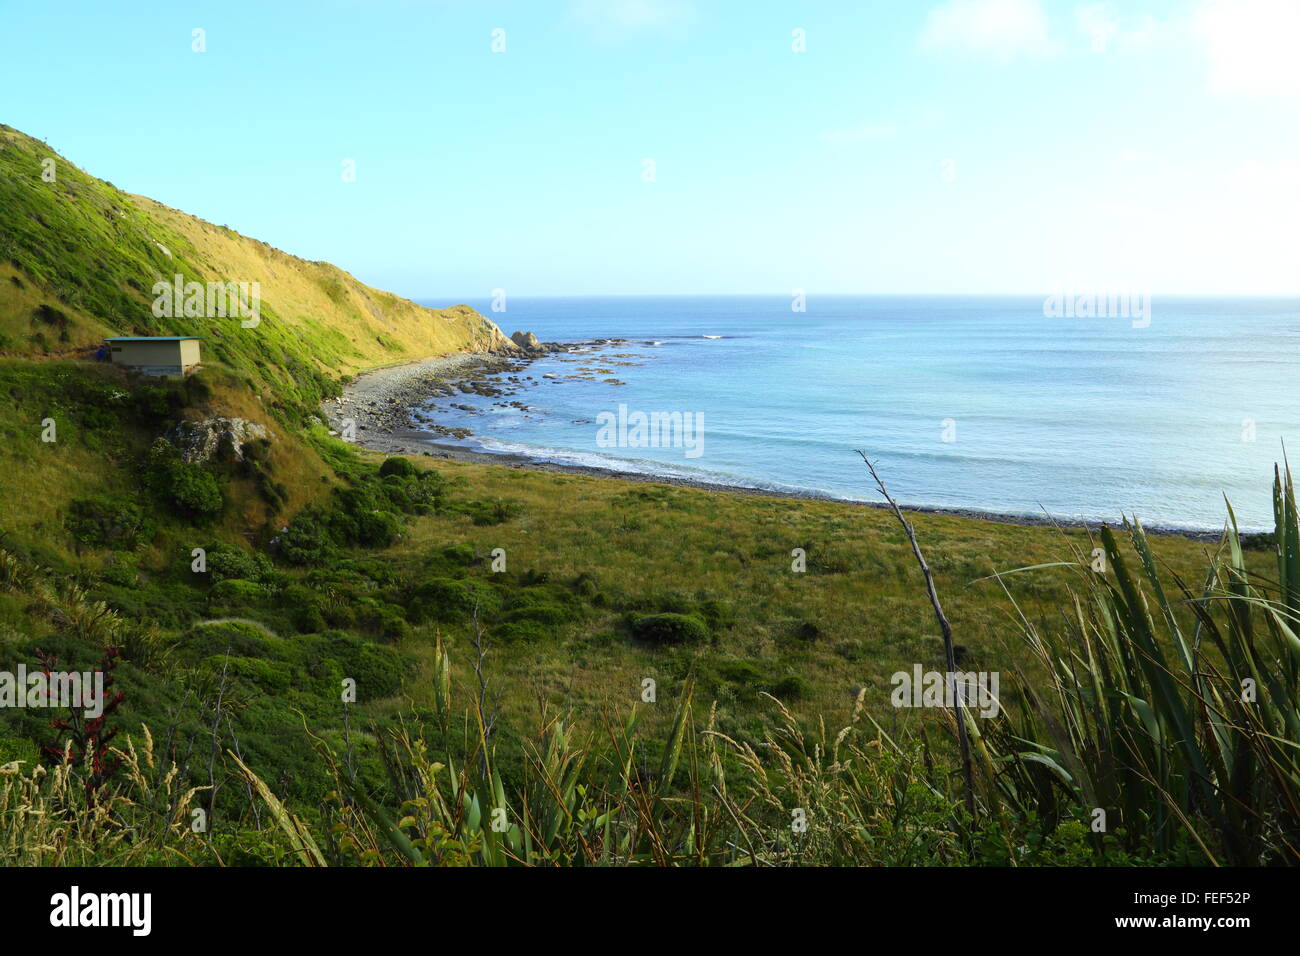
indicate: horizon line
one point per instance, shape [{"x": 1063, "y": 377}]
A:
[{"x": 859, "y": 295}]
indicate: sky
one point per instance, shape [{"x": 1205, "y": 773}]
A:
[{"x": 449, "y": 148}]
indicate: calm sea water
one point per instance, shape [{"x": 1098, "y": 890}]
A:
[{"x": 975, "y": 403}]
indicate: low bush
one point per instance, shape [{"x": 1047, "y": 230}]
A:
[
  {"x": 103, "y": 522},
  {"x": 225, "y": 561},
  {"x": 398, "y": 466},
  {"x": 378, "y": 670},
  {"x": 452, "y": 600},
  {"x": 552, "y": 615},
  {"x": 307, "y": 540},
  {"x": 195, "y": 491},
  {"x": 189, "y": 488},
  {"x": 669, "y": 628},
  {"x": 234, "y": 592},
  {"x": 458, "y": 555},
  {"x": 234, "y": 638}
]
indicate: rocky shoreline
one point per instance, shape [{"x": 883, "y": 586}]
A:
[
  {"x": 380, "y": 403},
  {"x": 383, "y": 403}
]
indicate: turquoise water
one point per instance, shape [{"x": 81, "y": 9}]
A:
[{"x": 1073, "y": 417}]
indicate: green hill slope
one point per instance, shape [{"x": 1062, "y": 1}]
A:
[{"x": 79, "y": 259}]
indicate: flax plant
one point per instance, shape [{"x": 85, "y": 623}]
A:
[{"x": 1172, "y": 709}]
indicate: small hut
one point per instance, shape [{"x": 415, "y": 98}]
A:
[{"x": 167, "y": 355}]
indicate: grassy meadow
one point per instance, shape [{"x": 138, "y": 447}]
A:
[{"x": 858, "y": 614}]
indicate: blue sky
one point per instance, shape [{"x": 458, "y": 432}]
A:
[{"x": 984, "y": 146}]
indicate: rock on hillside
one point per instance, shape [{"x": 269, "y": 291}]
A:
[{"x": 222, "y": 438}]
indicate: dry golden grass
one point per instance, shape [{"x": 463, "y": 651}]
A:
[{"x": 354, "y": 325}]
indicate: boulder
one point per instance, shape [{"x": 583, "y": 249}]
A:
[
  {"x": 526, "y": 341},
  {"x": 201, "y": 441}
]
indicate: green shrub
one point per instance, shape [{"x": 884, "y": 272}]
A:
[
  {"x": 227, "y": 561},
  {"x": 306, "y": 540},
  {"x": 18, "y": 748},
  {"x": 51, "y": 316},
  {"x": 549, "y": 614},
  {"x": 669, "y": 628},
  {"x": 159, "y": 403},
  {"x": 115, "y": 523},
  {"x": 807, "y": 632},
  {"x": 361, "y": 516},
  {"x": 452, "y": 600},
  {"x": 364, "y": 573},
  {"x": 392, "y": 624},
  {"x": 275, "y": 677},
  {"x": 459, "y": 555},
  {"x": 304, "y": 608},
  {"x": 189, "y": 488},
  {"x": 792, "y": 687},
  {"x": 237, "y": 639},
  {"x": 121, "y": 573},
  {"x": 717, "y": 614},
  {"x": 586, "y": 585},
  {"x": 398, "y": 466},
  {"x": 381, "y": 621},
  {"x": 377, "y": 529},
  {"x": 412, "y": 495},
  {"x": 485, "y": 513},
  {"x": 378, "y": 670},
  {"x": 197, "y": 391},
  {"x": 235, "y": 592},
  {"x": 195, "y": 491}
]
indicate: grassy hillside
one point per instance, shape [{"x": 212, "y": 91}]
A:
[
  {"x": 79, "y": 258},
  {"x": 233, "y": 600},
  {"x": 78, "y": 261}
]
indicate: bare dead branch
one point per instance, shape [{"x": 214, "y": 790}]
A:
[{"x": 950, "y": 654}]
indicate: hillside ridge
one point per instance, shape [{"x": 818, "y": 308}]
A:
[{"x": 79, "y": 259}]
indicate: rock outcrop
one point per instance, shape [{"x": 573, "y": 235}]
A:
[
  {"x": 221, "y": 438},
  {"x": 489, "y": 338},
  {"x": 527, "y": 341}
]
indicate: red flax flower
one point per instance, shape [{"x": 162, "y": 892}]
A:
[{"x": 88, "y": 735}]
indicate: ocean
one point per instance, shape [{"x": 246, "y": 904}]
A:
[{"x": 977, "y": 403}]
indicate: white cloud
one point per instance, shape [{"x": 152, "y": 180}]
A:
[
  {"x": 1216, "y": 228},
  {"x": 1099, "y": 23},
  {"x": 1244, "y": 226},
  {"x": 615, "y": 19},
  {"x": 1269, "y": 190},
  {"x": 1251, "y": 46},
  {"x": 1107, "y": 29},
  {"x": 1001, "y": 29}
]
